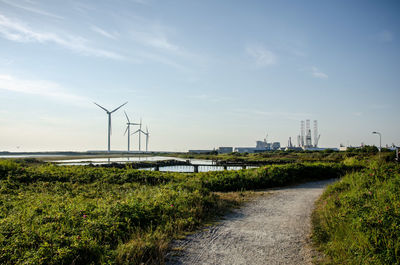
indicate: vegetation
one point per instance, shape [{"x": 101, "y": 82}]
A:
[
  {"x": 87, "y": 215},
  {"x": 292, "y": 156},
  {"x": 357, "y": 220}
]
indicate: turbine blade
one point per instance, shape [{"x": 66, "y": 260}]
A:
[
  {"x": 119, "y": 107},
  {"x": 135, "y": 132},
  {"x": 126, "y": 129},
  {"x": 101, "y": 107},
  {"x": 126, "y": 115}
]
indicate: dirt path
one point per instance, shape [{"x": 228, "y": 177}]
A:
[{"x": 273, "y": 229}]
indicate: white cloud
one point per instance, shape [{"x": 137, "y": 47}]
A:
[
  {"x": 209, "y": 98},
  {"x": 16, "y": 31},
  {"x": 318, "y": 74},
  {"x": 143, "y": 2},
  {"x": 273, "y": 114},
  {"x": 154, "y": 37},
  {"x": 385, "y": 36},
  {"x": 262, "y": 56},
  {"x": 39, "y": 87},
  {"x": 31, "y": 8},
  {"x": 103, "y": 32}
]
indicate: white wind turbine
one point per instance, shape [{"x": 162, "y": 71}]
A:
[
  {"x": 128, "y": 128},
  {"x": 139, "y": 131},
  {"x": 109, "y": 120},
  {"x": 147, "y": 138}
]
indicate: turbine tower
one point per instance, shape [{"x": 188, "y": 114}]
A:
[
  {"x": 128, "y": 128},
  {"x": 109, "y": 120},
  {"x": 139, "y": 131},
  {"x": 147, "y": 138}
]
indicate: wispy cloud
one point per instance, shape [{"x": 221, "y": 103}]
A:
[
  {"x": 317, "y": 73},
  {"x": 16, "y": 31},
  {"x": 154, "y": 36},
  {"x": 261, "y": 55},
  {"x": 31, "y": 8},
  {"x": 162, "y": 59},
  {"x": 143, "y": 2},
  {"x": 385, "y": 36},
  {"x": 273, "y": 114},
  {"x": 103, "y": 32},
  {"x": 380, "y": 106},
  {"x": 209, "y": 98},
  {"x": 39, "y": 87}
]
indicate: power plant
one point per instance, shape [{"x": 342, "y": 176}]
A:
[{"x": 304, "y": 139}]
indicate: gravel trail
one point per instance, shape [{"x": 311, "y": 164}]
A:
[{"x": 272, "y": 229}]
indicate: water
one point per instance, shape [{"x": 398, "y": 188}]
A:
[
  {"x": 204, "y": 165},
  {"x": 105, "y": 160},
  {"x": 28, "y": 156}
]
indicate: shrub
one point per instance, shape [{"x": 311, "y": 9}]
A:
[{"x": 357, "y": 220}]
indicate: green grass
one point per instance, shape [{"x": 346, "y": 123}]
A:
[
  {"x": 291, "y": 156},
  {"x": 84, "y": 215},
  {"x": 357, "y": 220}
]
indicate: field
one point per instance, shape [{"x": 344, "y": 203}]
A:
[
  {"x": 86, "y": 215},
  {"x": 357, "y": 220}
]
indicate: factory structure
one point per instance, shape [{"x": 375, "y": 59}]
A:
[
  {"x": 261, "y": 146},
  {"x": 305, "y": 141}
]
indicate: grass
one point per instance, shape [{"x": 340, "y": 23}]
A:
[
  {"x": 87, "y": 215},
  {"x": 357, "y": 220}
]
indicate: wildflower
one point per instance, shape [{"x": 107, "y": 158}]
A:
[
  {"x": 78, "y": 237},
  {"x": 387, "y": 208},
  {"x": 369, "y": 192},
  {"x": 172, "y": 205},
  {"x": 84, "y": 216},
  {"x": 380, "y": 221}
]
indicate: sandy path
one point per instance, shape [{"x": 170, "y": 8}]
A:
[{"x": 273, "y": 229}]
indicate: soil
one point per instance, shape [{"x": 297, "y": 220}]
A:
[{"x": 272, "y": 229}]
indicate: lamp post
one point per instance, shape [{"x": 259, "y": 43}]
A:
[{"x": 380, "y": 141}]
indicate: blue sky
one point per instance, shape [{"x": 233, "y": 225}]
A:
[{"x": 201, "y": 74}]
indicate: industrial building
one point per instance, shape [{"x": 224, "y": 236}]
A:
[
  {"x": 201, "y": 151},
  {"x": 304, "y": 140},
  {"x": 225, "y": 150},
  {"x": 261, "y": 146}
]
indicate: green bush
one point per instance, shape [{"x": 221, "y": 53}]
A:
[
  {"x": 87, "y": 215},
  {"x": 357, "y": 220},
  {"x": 272, "y": 176}
]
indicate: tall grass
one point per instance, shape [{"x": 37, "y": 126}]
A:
[
  {"x": 357, "y": 220},
  {"x": 83, "y": 215}
]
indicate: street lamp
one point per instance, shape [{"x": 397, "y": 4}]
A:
[{"x": 380, "y": 141}]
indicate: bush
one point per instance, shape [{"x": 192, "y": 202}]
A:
[
  {"x": 357, "y": 220},
  {"x": 83, "y": 215},
  {"x": 272, "y": 176}
]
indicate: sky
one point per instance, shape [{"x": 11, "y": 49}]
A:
[{"x": 200, "y": 74}]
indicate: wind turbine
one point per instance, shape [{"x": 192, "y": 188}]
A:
[
  {"x": 147, "y": 138},
  {"x": 139, "y": 131},
  {"x": 128, "y": 128},
  {"x": 109, "y": 120}
]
